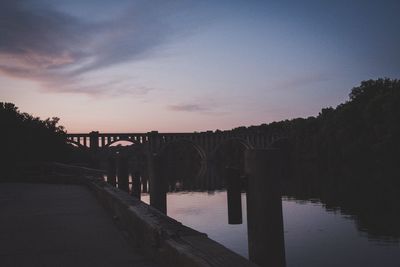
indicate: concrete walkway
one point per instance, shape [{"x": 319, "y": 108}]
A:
[{"x": 60, "y": 225}]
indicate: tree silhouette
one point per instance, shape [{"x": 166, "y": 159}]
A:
[{"x": 25, "y": 138}]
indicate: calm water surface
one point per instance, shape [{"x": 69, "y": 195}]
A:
[{"x": 313, "y": 235}]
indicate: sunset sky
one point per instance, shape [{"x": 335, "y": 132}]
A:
[{"x": 137, "y": 66}]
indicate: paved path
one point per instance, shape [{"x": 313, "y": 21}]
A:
[{"x": 60, "y": 225}]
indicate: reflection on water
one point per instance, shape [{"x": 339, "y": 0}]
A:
[{"x": 313, "y": 235}]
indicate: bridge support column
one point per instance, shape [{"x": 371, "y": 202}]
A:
[
  {"x": 234, "y": 196},
  {"x": 123, "y": 173},
  {"x": 158, "y": 185},
  {"x": 154, "y": 141},
  {"x": 136, "y": 184},
  {"x": 94, "y": 140},
  {"x": 264, "y": 207},
  {"x": 111, "y": 171}
]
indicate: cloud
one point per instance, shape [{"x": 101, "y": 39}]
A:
[
  {"x": 108, "y": 88},
  {"x": 209, "y": 109},
  {"x": 35, "y": 40},
  {"x": 41, "y": 43},
  {"x": 187, "y": 107}
]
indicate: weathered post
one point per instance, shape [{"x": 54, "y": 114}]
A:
[
  {"x": 136, "y": 184},
  {"x": 158, "y": 187},
  {"x": 123, "y": 173},
  {"x": 264, "y": 207},
  {"x": 111, "y": 171},
  {"x": 234, "y": 197}
]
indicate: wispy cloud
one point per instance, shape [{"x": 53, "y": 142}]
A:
[
  {"x": 57, "y": 49},
  {"x": 188, "y": 107},
  {"x": 108, "y": 88},
  {"x": 207, "y": 108}
]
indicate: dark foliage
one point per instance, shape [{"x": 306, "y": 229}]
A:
[
  {"x": 26, "y": 139},
  {"x": 361, "y": 135}
]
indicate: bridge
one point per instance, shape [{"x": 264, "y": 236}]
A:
[
  {"x": 206, "y": 143},
  {"x": 202, "y": 154}
]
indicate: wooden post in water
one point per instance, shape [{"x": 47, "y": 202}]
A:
[
  {"x": 264, "y": 207},
  {"x": 158, "y": 187},
  {"x": 234, "y": 197},
  {"x": 123, "y": 173},
  {"x": 111, "y": 171}
]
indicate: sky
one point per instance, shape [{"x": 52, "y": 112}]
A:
[{"x": 182, "y": 66}]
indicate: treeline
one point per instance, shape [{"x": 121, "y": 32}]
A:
[
  {"x": 25, "y": 139},
  {"x": 360, "y": 135}
]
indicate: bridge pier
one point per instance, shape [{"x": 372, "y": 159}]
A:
[
  {"x": 136, "y": 184},
  {"x": 158, "y": 184},
  {"x": 94, "y": 140},
  {"x": 264, "y": 207},
  {"x": 123, "y": 173}
]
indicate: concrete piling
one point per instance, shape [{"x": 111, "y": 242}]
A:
[
  {"x": 123, "y": 173},
  {"x": 136, "y": 184},
  {"x": 158, "y": 185}
]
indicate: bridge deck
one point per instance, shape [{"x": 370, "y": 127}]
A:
[{"x": 60, "y": 225}]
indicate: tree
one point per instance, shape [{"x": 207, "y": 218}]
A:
[{"x": 25, "y": 138}]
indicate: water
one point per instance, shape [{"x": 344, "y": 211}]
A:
[{"x": 314, "y": 236}]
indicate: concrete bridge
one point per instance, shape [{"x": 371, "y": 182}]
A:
[
  {"x": 206, "y": 143},
  {"x": 212, "y": 151}
]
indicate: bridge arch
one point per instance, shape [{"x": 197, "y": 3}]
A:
[
  {"x": 230, "y": 153},
  {"x": 183, "y": 163},
  {"x": 164, "y": 147},
  {"x": 237, "y": 141},
  {"x": 134, "y": 142}
]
